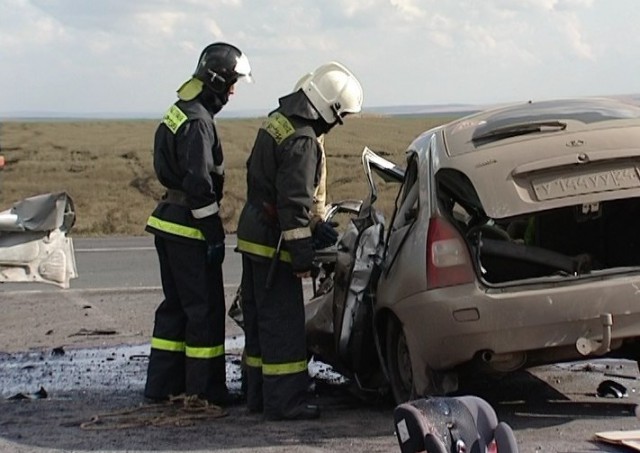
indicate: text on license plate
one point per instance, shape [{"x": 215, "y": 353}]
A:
[{"x": 548, "y": 188}]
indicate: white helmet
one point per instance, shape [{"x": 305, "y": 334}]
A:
[
  {"x": 333, "y": 90},
  {"x": 302, "y": 80}
]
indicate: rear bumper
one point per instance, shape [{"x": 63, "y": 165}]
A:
[{"x": 447, "y": 327}]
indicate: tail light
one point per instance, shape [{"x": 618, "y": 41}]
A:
[{"x": 448, "y": 260}]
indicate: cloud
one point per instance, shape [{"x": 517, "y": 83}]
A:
[
  {"x": 22, "y": 27},
  {"x": 164, "y": 23},
  {"x": 408, "y": 9},
  {"x": 576, "y": 39},
  {"x": 404, "y": 51}
]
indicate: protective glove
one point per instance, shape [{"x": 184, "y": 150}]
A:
[
  {"x": 218, "y": 185},
  {"x": 215, "y": 253},
  {"x": 301, "y": 251},
  {"x": 324, "y": 234},
  {"x": 212, "y": 229}
]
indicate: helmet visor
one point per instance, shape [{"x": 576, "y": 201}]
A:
[{"x": 243, "y": 68}]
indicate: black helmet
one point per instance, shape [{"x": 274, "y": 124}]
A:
[{"x": 219, "y": 67}]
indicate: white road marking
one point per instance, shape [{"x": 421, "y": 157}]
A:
[
  {"x": 129, "y": 249},
  {"x": 121, "y": 289}
]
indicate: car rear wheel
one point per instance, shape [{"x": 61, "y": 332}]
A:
[{"x": 399, "y": 363}]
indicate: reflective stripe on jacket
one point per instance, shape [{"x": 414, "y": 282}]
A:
[
  {"x": 187, "y": 159},
  {"x": 282, "y": 172}
]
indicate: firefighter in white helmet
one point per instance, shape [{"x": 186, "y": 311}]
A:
[{"x": 277, "y": 238}]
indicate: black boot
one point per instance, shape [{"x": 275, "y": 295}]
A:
[
  {"x": 300, "y": 412},
  {"x": 227, "y": 399}
]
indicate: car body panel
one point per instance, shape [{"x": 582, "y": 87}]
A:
[
  {"x": 548, "y": 321},
  {"x": 405, "y": 238},
  {"x": 34, "y": 246},
  {"x": 513, "y": 174},
  {"x": 588, "y": 114}
]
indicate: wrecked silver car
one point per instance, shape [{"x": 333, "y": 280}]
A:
[
  {"x": 34, "y": 246},
  {"x": 514, "y": 242}
]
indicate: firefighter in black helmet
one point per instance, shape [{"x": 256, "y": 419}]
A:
[
  {"x": 277, "y": 236},
  {"x": 187, "y": 347}
]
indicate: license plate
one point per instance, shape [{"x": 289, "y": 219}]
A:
[{"x": 551, "y": 187}]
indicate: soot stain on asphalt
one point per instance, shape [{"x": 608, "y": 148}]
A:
[{"x": 121, "y": 368}]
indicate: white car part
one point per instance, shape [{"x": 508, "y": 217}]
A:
[{"x": 34, "y": 246}]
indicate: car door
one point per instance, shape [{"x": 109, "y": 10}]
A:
[{"x": 359, "y": 252}]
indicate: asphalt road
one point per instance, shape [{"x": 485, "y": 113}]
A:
[
  {"x": 552, "y": 409},
  {"x": 131, "y": 262},
  {"x": 117, "y": 263}
]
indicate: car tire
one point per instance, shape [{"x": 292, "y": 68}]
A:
[{"x": 399, "y": 363}]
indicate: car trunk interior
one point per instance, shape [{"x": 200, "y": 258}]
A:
[{"x": 572, "y": 241}]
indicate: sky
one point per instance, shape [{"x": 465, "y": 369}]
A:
[{"x": 130, "y": 56}]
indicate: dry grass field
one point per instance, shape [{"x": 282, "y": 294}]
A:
[{"x": 106, "y": 166}]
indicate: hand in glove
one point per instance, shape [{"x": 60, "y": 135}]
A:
[
  {"x": 218, "y": 184},
  {"x": 215, "y": 253},
  {"x": 324, "y": 235},
  {"x": 213, "y": 231},
  {"x": 211, "y": 228},
  {"x": 301, "y": 251}
]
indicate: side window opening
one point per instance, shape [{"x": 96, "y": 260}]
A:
[
  {"x": 405, "y": 212},
  {"x": 458, "y": 200},
  {"x": 407, "y": 204}
]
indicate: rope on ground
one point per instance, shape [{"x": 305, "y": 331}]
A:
[{"x": 179, "y": 410}]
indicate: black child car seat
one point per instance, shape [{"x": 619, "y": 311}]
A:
[{"x": 463, "y": 424}]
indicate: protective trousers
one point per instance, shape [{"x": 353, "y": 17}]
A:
[
  {"x": 187, "y": 348},
  {"x": 275, "y": 346}
]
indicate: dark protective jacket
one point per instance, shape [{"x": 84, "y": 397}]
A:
[
  {"x": 194, "y": 179},
  {"x": 283, "y": 171}
]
